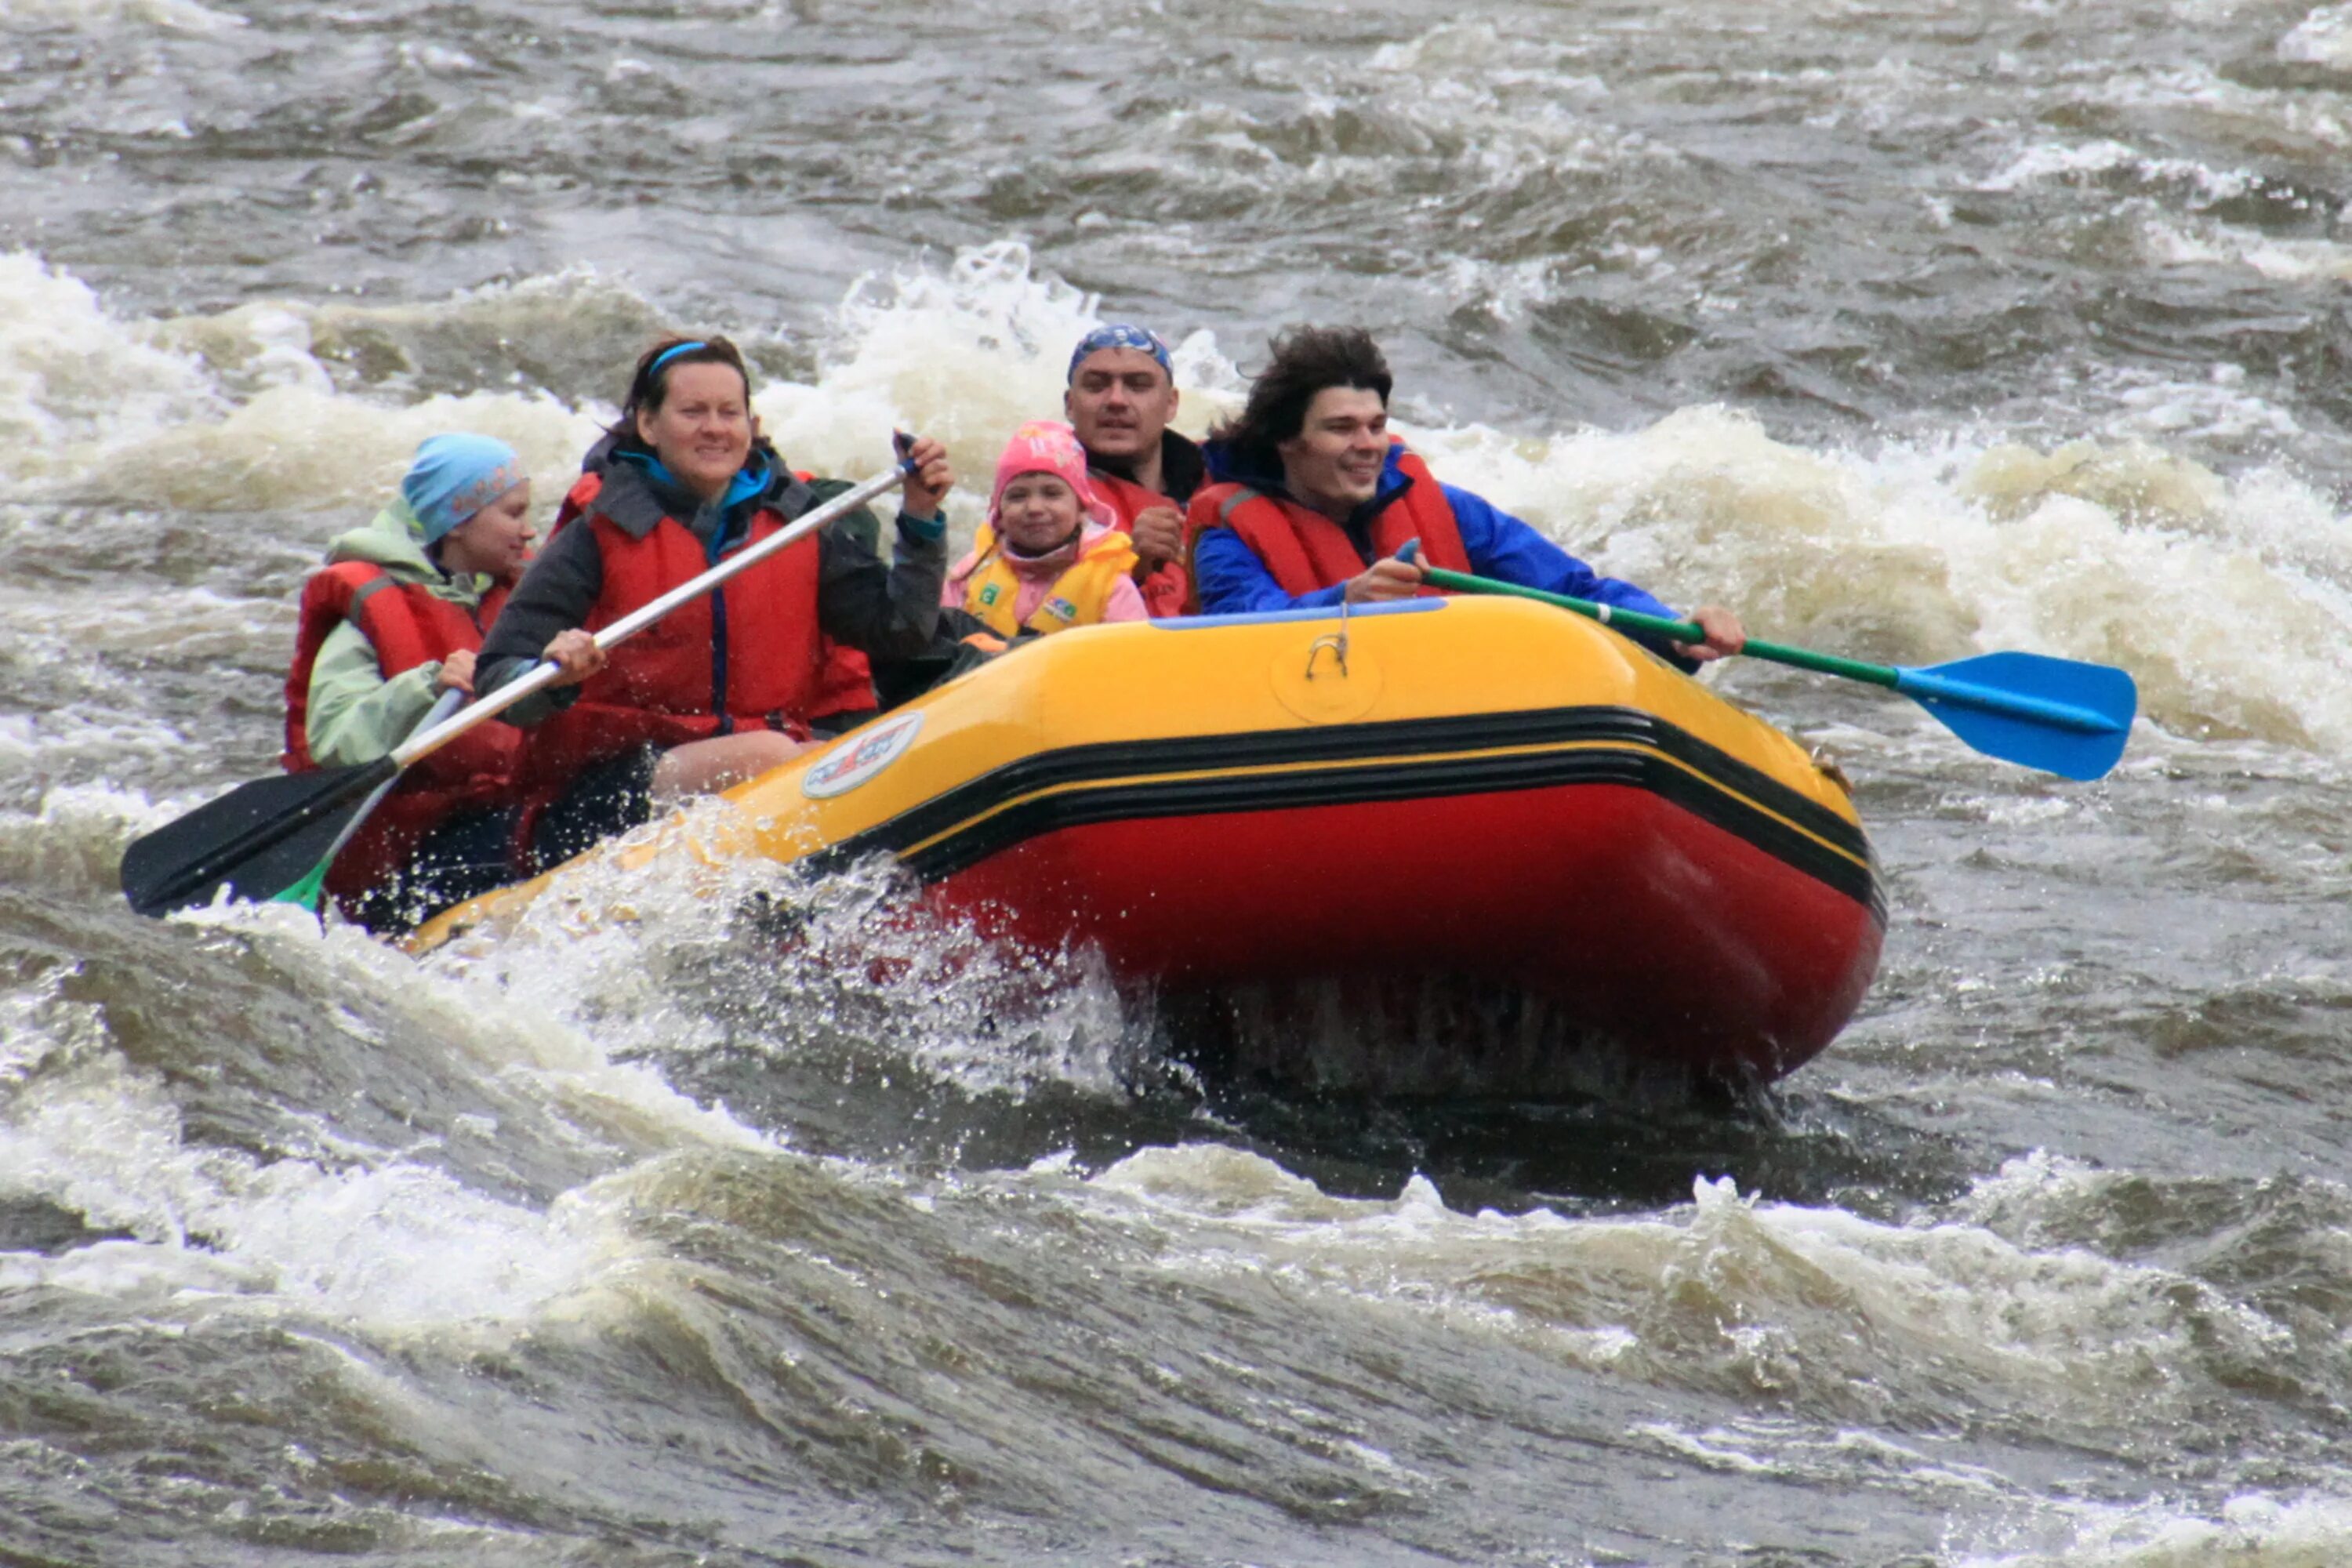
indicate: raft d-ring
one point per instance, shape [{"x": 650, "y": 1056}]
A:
[{"x": 1335, "y": 641}]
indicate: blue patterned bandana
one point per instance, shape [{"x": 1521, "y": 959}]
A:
[
  {"x": 1119, "y": 335},
  {"x": 456, "y": 476}
]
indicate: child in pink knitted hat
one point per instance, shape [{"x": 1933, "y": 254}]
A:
[{"x": 1048, "y": 556}]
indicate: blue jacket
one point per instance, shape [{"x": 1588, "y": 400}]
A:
[{"x": 1233, "y": 580}]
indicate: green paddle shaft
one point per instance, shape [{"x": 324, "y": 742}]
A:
[
  {"x": 1678, "y": 631},
  {"x": 2027, "y": 689}
]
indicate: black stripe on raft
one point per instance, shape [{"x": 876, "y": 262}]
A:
[{"x": 1196, "y": 776}]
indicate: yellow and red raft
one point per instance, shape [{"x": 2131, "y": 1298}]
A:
[{"x": 1570, "y": 844}]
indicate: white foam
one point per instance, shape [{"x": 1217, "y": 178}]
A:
[
  {"x": 237, "y": 411},
  {"x": 2225, "y": 597},
  {"x": 396, "y": 1244},
  {"x": 380, "y": 1236},
  {"x": 1784, "y": 1301},
  {"x": 2062, "y": 163},
  {"x": 107, "y": 16},
  {"x": 868, "y": 969},
  {"x": 2324, "y": 38},
  {"x": 2170, "y": 241},
  {"x": 75, "y": 839},
  {"x": 502, "y": 1030},
  {"x": 965, "y": 357},
  {"x": 1464, "y": 46},
  {"x": 2250, "y": 1530},
  {"x": 71, "y": 377}
]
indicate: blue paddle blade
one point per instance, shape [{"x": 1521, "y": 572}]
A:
[{"x": 2056, "y": 714}]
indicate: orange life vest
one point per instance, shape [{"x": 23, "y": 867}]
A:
[
  {"x": 846, "y": 685},
  {"x": 1304, "y": 551},
  {"x": 746, "y": 657},
  {"x": 1168, "y": 588},
  {"x": 408, "y": 625},
  {"x": 1076, "y": 599}
]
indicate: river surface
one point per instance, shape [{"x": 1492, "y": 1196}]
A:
[{"x": 1913, "y": 330}]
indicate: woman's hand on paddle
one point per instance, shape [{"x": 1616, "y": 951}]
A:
[
  {"x": 577, "y": 653},
  {"x": 1725, "y": 635},
  {"x": 457, "y": 673},
  {"x": 1383, "y": 581},
  {"x": 931, "y": 479}
]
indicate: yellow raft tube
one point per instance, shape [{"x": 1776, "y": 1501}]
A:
[{"x": 1490, "y": 800}]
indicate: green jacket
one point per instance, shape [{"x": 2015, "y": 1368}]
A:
[{"x": 355, "y": 714}]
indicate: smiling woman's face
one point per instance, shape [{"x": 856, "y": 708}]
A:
[{"x": 702, "y": 431}]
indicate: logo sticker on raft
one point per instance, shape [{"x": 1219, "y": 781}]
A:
[{"x": 860, "y": 757}]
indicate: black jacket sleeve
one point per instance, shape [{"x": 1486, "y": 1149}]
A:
[
  {"x": 556, "y": 595},
  {"x": 889, "y": 612}
]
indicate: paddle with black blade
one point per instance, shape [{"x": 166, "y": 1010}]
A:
[
  {"x": 2060, "y": 715},
  {"x": 313, "y": 886},
  {"x": 266, "y": 839}
]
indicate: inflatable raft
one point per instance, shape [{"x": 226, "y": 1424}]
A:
[{"x": 1459, "y": 845}]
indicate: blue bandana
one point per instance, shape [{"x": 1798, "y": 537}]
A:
[
  {"x": 454, "y": 477},
  {"x": 1119, "y": 335}
]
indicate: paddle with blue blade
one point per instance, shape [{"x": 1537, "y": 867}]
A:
[
  {"x": 2060, "y": 715},
  {"x": 270, "y": 838}
]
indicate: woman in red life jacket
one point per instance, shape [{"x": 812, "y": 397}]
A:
[
  {"x": 388, "y": 625},
  {"x": 721, "y": 689},
  {"x": 1048, "y": 556},
  {"x": 848, "y": 698}
]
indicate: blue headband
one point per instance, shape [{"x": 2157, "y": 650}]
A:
[
  {"x": 670, "y": 354},
  {"x": 1119, "y": 335}
]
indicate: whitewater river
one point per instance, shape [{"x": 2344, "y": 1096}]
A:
[{"x": 1913, "y": 328}]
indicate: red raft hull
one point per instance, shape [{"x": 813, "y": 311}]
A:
[
  {"x": 1571, "y": 933},
  {"x": 1444, "y": 848}
]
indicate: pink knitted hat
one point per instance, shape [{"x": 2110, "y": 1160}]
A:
[{"x": 1048, "y": 447}]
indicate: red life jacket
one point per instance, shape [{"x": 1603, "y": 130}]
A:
[
  {"x": 407, "y": 626},
  {"x": 1168, "y": 588},
  {"x": 746, "y": 657},
  {"x": 846, "y": 685},
  {"x": 1304, "y": 550}
]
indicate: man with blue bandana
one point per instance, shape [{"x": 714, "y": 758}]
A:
[{"x": 1120, "y": 397}]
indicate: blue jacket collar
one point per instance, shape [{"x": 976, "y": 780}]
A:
[
  {"x": 639, "y": 492},
  {"x": 752, "y": 480}
]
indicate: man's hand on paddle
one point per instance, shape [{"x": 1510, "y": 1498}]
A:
[
  {"x": 1725, "y": 635},
  {"x": 1159, "y": 535},
  {"x": 1385, "y": 579},
  {"x": 577, "y": 653}
]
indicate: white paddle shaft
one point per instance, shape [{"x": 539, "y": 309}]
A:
[{"x": 426, "y": 741}]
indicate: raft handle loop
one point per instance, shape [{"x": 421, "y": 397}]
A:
[{"x": 1335, "y": 641}]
